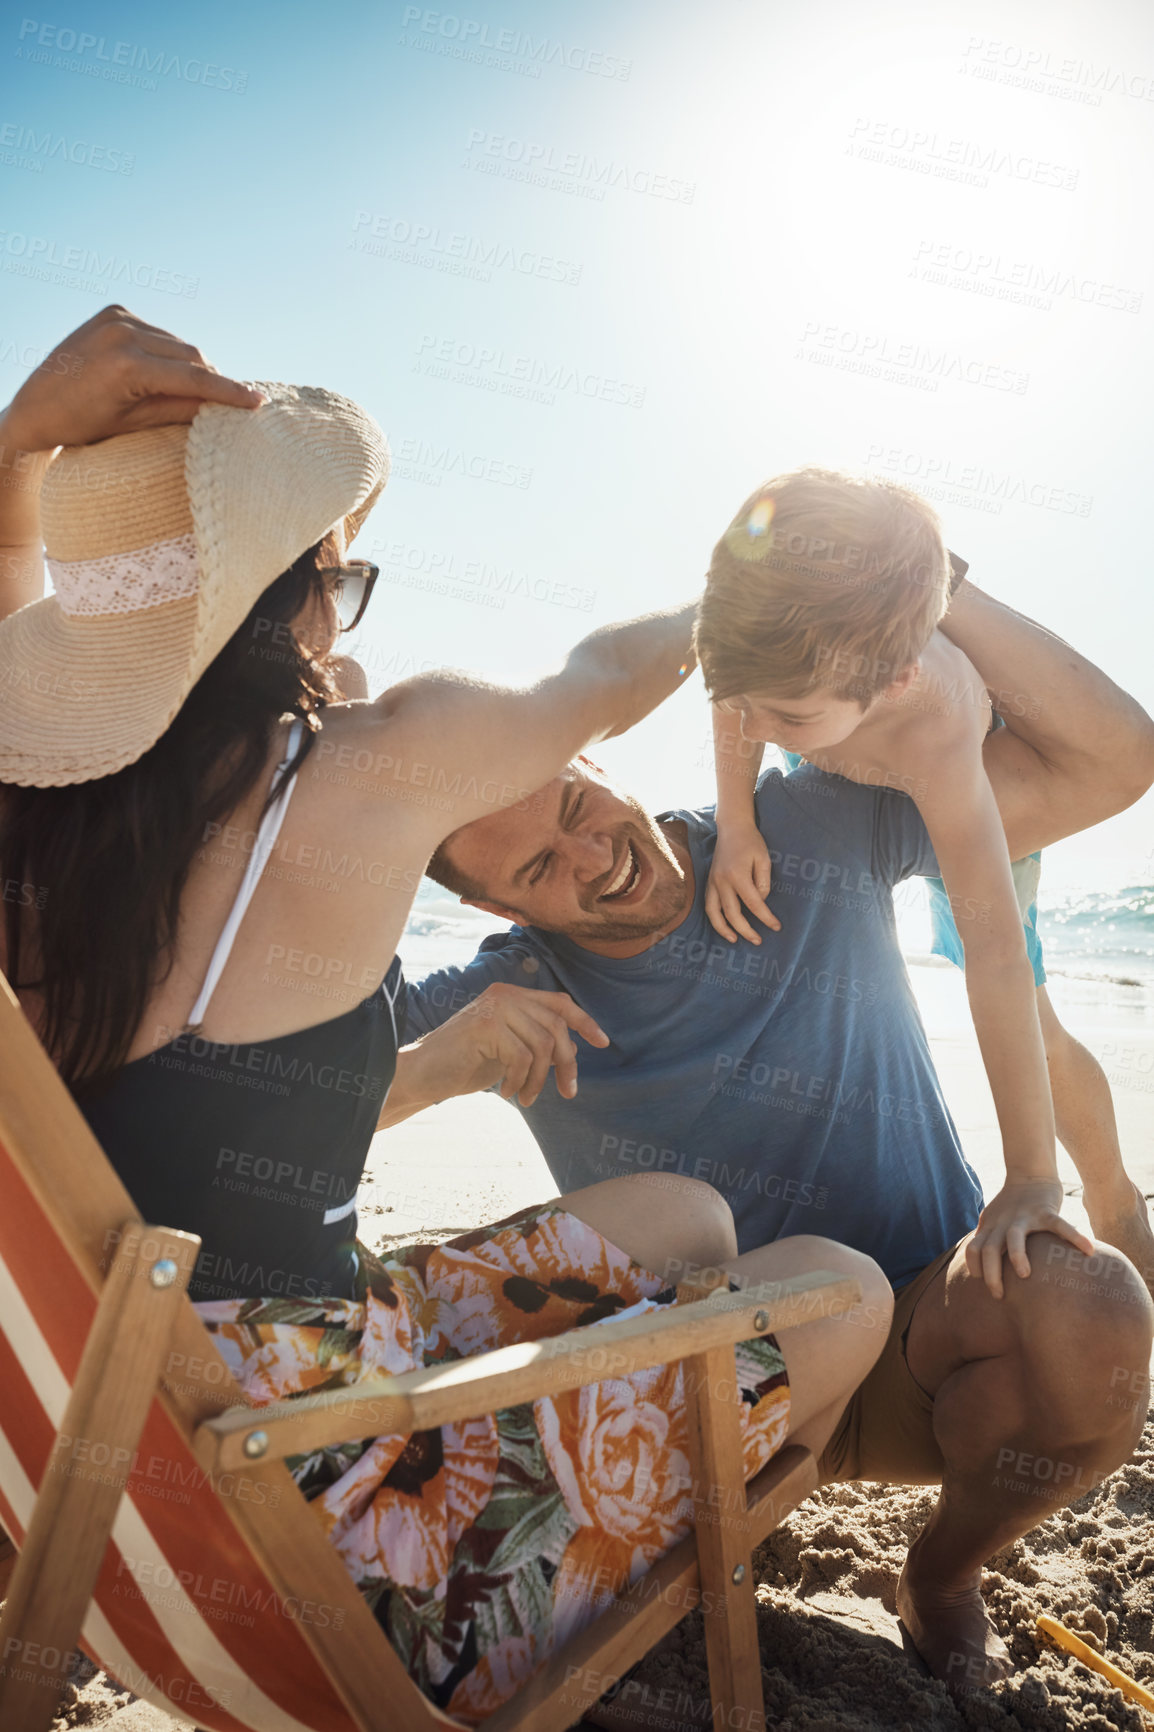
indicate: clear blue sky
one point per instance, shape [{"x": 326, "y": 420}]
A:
[{"x": 598, "y": 269}]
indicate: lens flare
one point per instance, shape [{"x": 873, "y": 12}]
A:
[{"x": 760, "y": 518}]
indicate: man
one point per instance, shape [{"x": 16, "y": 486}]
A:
[{"x": 795, "y": 1075}]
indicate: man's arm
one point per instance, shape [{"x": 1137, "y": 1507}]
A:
[
  {"x": 1075, "y": 749},
  {"x": 508, "y": 957},
  {"x": 508, "y": 1038},
  {"x": 503, "y": 977}
]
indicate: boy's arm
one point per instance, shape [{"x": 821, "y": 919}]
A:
[
  {"x": 961, "y": 816},
  {"x": 741, "y": 870}
]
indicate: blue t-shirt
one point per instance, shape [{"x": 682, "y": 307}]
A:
[{"x": 795, "y": 1077}]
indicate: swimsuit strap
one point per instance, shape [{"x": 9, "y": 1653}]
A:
[{"x": 266, "y": 838}]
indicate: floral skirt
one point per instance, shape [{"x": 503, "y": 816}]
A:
[{"x": 482, "y": 1547}]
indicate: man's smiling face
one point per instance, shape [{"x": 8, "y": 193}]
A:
[{"x": 580, "y": 858}]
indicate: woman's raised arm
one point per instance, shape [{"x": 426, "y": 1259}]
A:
[
  {"x": 477, "y": 748},
  {"x": 114, "y": 374}
]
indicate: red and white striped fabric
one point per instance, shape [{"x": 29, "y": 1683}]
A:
[{"x": 182, "y": 1614}]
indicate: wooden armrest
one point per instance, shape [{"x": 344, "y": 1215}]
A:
[{"x": 469, "y": 1388}]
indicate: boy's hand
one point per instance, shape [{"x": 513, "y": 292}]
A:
[
  {"x": 1030, "y": 1206},
  {"x": 740, "y": 874}
]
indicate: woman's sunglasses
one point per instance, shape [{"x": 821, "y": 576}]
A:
[{"x": 351, "y": 585}]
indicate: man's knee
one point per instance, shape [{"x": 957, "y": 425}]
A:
[{"x": 1095, "y": 1307}]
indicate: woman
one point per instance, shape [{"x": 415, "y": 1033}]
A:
[{"x": 226, "y": 854}]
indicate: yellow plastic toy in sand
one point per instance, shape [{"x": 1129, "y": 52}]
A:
[{"x": 1090, "y": 1657}]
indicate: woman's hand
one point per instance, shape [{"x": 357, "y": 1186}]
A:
[
  {"x": 1028, "y": 1206},
  {"x": 115, "y": 374},
  {"x": 740, "y": 874}
]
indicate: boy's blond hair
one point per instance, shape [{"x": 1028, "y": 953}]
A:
[{"x": 822, "y": 581}]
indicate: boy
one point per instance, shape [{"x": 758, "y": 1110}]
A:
[
  {"x": 1083, "y": 1105},
  {"x": 818, "y": 627}
]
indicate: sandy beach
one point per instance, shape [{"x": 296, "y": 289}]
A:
[{"x": 830, "y": 1642}]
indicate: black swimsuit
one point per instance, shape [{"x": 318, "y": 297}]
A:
[{"x": 259, "y": 1148}]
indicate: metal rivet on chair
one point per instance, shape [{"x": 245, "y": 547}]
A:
[
  {"x": 761, "y": 1321},
  {"x": 738, "y": 1574},
  {"x": 255, "y": 1444},
  {"x": 163, "y": 1273}
]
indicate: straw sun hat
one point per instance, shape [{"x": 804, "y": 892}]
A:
[{"x": 158, "y": 544}]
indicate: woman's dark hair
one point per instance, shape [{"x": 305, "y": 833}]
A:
[{"x": 109, "y": 859}]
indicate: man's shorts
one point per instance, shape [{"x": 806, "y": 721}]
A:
[{"x": 887, "y": 1431}]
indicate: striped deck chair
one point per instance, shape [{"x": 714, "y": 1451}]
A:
[{"x": 159, "y": 1527}]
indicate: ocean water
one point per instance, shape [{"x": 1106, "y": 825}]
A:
[
  {"x": 1101, "y": 935},
  {"x": 1098, "y": 948},
  {"x": 1097, "y": 932},
  {"x": 1098, "y": 941},
  {"x": 441, "y": 932}
]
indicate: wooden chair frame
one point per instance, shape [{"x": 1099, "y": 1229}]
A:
[{"x": 144, "y": 1322}]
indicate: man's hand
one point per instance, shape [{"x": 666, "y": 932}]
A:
[
  {"x": 511, "y": 1035},
  {"x": 740, "y": 874},
  {"x": 1030, "y": 1206},
  {"x": 515, "y": 1035},
  {"x": 114, "y": 374}
]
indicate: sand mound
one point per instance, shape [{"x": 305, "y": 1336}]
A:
[{"x": 829, "y": 1638}]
